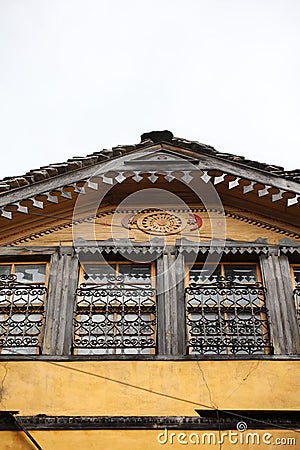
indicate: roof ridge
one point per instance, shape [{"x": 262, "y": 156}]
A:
[{"x": 77, "y": 162}]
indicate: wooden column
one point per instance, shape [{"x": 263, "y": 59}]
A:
[
  {"x": 280, "y": 303},
  {"x": 60, "y": 305},
  {"x": 170, "y": 303},
  {"x": 181, "y": 331},
  {"x": 163, "y": 307}
]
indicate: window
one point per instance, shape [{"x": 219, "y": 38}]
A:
[
  {"x": 22, "y": 307},
  {"x": 226, "y": 312},
  {"x": 115, "y": 310},
  {"x": 295, "y": 269}
]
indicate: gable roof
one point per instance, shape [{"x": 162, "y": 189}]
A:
[
  {"x": 147, "y": 140},
  {"x": 157, "y": 159}
]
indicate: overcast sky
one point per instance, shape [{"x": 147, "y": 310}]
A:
[{"x": 81, "y": 75}]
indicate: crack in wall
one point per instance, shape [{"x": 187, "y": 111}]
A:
[
  {"x": 214, "y": 406},
  {"x": 2, "y": 383},
  {"x": 245, "y": 378},
  {"x": 251, "y": 370},
  {"x": 207, "y": 387}
]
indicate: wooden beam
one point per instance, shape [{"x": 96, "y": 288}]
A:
[
  {"x": 60, "y": 306},
  {"x": 279, "y": 301}
]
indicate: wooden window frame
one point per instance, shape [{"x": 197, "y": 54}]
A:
[
  {"x": 13, "y": 264},
  {"x": 222, "y": 265},
  {"x": 296, "y": 292},
  {"x": 116, "y": 264}
]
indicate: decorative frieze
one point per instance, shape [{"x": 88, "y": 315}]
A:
[
  {"x": 207, "y": 420},
  {"x": 195, "y": 222}
]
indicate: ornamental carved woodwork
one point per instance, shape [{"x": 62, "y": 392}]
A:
[{"x": 160, "y": 222}]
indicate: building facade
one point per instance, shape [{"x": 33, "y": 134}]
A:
[{"x": 148, "y": 299}]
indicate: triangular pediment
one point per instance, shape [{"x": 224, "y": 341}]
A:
[
  {"x": 161, "y": 157},
  {"x": 157, "y": 164}
]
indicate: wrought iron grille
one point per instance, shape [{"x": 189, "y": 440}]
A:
[
  {"x": 297, "y": 301},
  {"x": 296, "y": 280},
  {"x": 227, "y": 317},
  {"x": 114, "y": 317},
  {"x": 22, "y": 315}
]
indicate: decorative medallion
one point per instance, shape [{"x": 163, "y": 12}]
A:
[{"x": 161, "y": 222}]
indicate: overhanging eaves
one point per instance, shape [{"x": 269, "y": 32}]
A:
[{"x": 188, "y": 168}]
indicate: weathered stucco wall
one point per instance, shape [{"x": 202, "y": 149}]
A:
[
  {"x": 149, "y": 440},
  {"x": 159, "y": 388},
  {"x": 127, "y": 388}
]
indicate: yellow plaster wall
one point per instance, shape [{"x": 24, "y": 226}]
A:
[
  {"x": 147, "y": 440},
  {"x": 147, "y": 387}
]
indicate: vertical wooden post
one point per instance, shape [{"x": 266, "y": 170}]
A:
[
  {"x": 62, "y": 285},
  {"x": 280, "y": 303},
  {"x": 53, "y": 293},
  {"x": 170, "y": 303},
  {"x": 163, "y": 307},
  {"x": 181, "y": 331}
]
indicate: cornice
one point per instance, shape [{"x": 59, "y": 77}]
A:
[
  {"x": 207, "y": 420},
  {"x": 235, "y": 215},
  {"x": 105, "y": 175}
]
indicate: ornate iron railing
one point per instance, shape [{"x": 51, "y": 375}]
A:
[
  {"x": 297, "y": 301},
  {"x": 115, "y": 317},
  {"x": 22, "y": 314},
  {"x": 226, "y": 317}
]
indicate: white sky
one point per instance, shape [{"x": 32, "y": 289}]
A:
[{"x": 81, "y": 75}]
